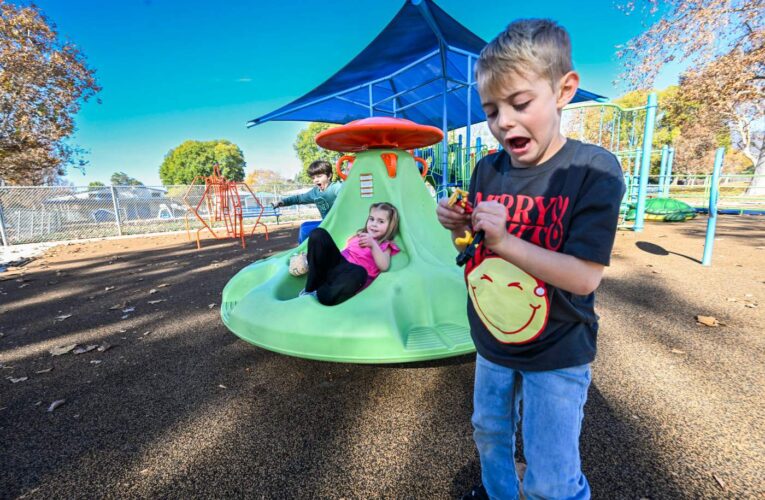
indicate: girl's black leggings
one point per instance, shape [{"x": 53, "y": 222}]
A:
[{"x": 334, "y": 279}]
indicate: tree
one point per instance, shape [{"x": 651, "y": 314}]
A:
[
  {"x": 96, "y": 184},
  {"x": 723, "y": 43},
  {"x": 43, "y": 81},
  {"x": 258, "y": 177},
  {"x": 308, "y": 151},
  {"x": 123, "y": 179},
  {"x": 192, "y": 158}
]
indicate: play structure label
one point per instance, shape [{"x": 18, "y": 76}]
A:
[{"x": 366, "y": 185}]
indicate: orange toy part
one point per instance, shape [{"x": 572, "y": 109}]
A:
[
  {"x": 391, "y": 163},
  {"x": 379, "y": 132},
  {"x": 424, "y": 164},
  {"x": 339, "y": 165}
]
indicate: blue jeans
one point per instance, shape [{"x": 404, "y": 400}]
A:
[{"x": 553, "y": 407}]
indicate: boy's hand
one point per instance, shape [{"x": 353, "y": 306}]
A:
[
  {"x": 276, "y": 204},
  {"x": 491, "y": 218},
  {"x": 366, "y": 240},
  {"x": 453, "y": 218}
]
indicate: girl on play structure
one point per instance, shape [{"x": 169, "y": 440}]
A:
[{"x": 335, "y": 276}]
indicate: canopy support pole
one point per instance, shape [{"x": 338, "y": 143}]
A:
[
  {"x": 444, "y": 148},
  {"x": 371, "y": 105},
  {"x": 469, "y": 113}
]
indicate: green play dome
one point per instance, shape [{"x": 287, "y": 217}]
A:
[
  {"x": 664, "y": 210},
  {"x": 415, "y": 311}
]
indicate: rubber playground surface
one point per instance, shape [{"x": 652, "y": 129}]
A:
[{"x": 170, "y": 404}]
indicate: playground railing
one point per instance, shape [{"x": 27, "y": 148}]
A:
[
  {"x": 36, "y": 214},
  {"x": 736, "y": 191}
]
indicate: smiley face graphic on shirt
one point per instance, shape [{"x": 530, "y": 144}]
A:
[{"x": 512, "y": 304}]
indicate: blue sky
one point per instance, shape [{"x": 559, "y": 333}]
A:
[{"x": 175, "y": 70}]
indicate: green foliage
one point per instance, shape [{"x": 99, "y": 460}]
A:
[
  {"x": 308, "y": 151},
  {"x": 43, "y": 81},
  {"x": 197, "y": 158},
  {"x": 96, "y": 184},
  {"x": 682, "y": 121},
  {"x": 123, "y": 179}
]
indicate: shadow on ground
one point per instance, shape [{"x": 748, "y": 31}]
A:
[{"x": 189, "y": 410}]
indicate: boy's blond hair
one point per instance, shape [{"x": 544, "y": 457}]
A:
[{"x": 527, "y": 47}]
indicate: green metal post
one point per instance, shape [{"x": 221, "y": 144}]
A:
[
  {"x": 714, "y": 192},
  {"x": 668, "y": 175},
  {"x": 663, "y": 168},
  {"x": 645, "y": 164}
]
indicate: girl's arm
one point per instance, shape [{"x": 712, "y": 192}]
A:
[{"x": 382, "y": 257}]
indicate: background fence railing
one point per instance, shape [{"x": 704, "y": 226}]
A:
[{"x": 33, "y": 214}]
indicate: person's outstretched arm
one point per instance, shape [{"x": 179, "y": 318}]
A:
[{"x": 298, "y": 199}]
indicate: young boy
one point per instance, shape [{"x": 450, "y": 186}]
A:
[
  {"x": 323, "y": 194},
  {"x": 548, "y": 207}
]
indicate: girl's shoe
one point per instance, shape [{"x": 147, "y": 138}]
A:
[{"x": 303, "y": 292}]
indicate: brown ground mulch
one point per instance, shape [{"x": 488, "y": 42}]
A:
[{"x": 179, "y": 407}]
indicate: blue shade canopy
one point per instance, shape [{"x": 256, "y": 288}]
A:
[{"x": 403, "y": 73}]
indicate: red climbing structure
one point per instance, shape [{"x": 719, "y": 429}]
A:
[{"x": 222, "y": 204}]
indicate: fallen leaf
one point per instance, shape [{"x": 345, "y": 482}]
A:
[
  {"x": 83, "y": 350},
  {"x": 56, "y": 404},
  {"x": 146, "y": 333},
  {"x": 17, "y": 380},
  {"x": 104, "y": 347},
  {"x": 23, "y": 285},
  {"x": 125, "y": 316},
  {"x": 707, "y": 320},
  {"x": 58, "y": 351},
  {"x": 128, "y": 310},
  {"x": 153, "y": 302},
  {"x": 210, "y": 306},
  {"x": 95, "y": 361},
  {"x": 63, "y": 317},
  {"x": 152, "y": 291},
  {"x": 118, "y": 306},
  {"x": 676, "y": 351},
  {"x": 222, "y": 386},
  {"x": 719, "y": 481},
  {"x": 163, "y": 285},
  {"x": 44, "y": 370},
  {"x": 108, "y": 288}
]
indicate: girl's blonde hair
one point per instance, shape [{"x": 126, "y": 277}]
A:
[{"x": 392, "y": 216}]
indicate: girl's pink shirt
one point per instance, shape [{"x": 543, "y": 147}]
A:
[{"x": 363, "y": 256}]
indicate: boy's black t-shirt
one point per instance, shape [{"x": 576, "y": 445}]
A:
[{"x": 568, "y": 204}]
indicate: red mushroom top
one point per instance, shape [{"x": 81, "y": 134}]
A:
[{"x": 378, "y": 132}]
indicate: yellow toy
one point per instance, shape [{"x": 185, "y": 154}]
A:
[{"x": 460, "y": 198}]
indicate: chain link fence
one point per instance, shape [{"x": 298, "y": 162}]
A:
[{"x": 36, "y": 214}]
